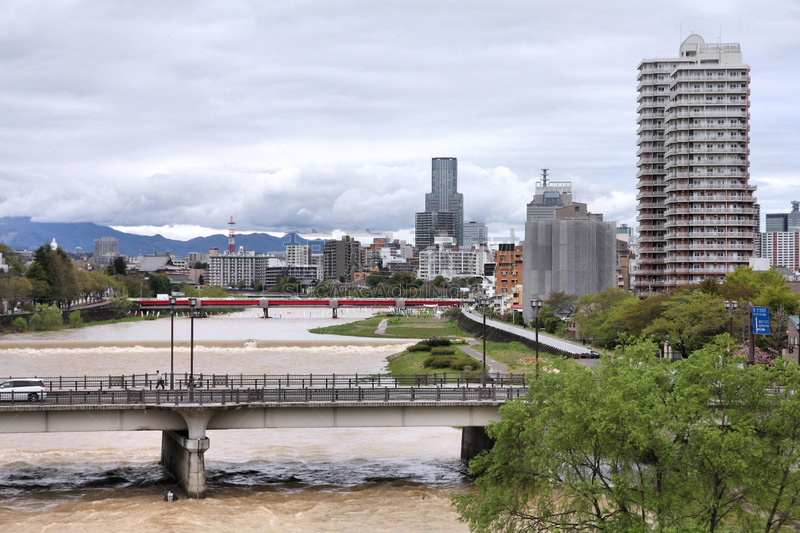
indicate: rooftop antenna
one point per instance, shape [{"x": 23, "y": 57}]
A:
[
  {"x": 544, "y": 177},
  {"x": 231, "y": 235}
]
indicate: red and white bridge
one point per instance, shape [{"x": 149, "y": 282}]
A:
[{"x": 299, "y": 303}]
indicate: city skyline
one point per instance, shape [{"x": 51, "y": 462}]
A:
[{"x": 168, "y": 119}]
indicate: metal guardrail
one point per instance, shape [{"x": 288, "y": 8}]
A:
[
  {"x": 261, "y": 381},
  {"x": 270, "y": 395}
]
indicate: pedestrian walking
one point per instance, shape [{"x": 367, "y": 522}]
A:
[{"x": 159, "y": 380}]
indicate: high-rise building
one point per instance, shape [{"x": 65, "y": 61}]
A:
[
  {"x": 777, "y": 222},
  {"x": 298, "y": 255},
  {"x": 696, "y": 215},
  {"x": 341, "y": 259},
  {"x": 431, "y": 224},
  {"x": 105, "y": 250},
  {"x": 474, "y": 235},
  {"x": 781, "y": 248},
  {"x": 443, "y": 198}
]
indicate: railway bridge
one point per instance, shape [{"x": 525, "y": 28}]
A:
[{"x": 198, "y": 304}]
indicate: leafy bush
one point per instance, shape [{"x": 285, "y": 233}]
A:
[
  {"x": 20, "y": 324},
  {"x": 435, "y": 341},
  {"x": 445, "y": 361},
  {"x": 75, "y": 319},
  {"x": 419, "y": 347},
  {"x": 464, "y": 364},
  {"x": 46, "y": 317},
  {"x": 438, "y": 361},
  {"x": 452, "y": 314},
  {"x": 443, "y": 350}
]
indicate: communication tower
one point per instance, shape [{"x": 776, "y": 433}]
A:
[{"x": 231, "y": 236}]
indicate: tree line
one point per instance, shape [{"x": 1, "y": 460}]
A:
[
  {"x": 639, "y": 444},
  {"x": 690, "y": 317}
]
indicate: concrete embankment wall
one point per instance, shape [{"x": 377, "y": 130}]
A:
[{"x": 493, "y": 334}]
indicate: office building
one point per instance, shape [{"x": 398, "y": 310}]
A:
[
  {"x": 443, "y": 198},
  {"x": 696, "y": 214},
  {"x": 475, "y": 234},
  {"x": 780, "y": 222},
  {"x": 431, "y": 224},
  {"x": 105, "y": 250},
  {"x": 549, "y": 196}
]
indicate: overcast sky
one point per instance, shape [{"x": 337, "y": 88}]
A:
[{"x": 175, "y": 116}]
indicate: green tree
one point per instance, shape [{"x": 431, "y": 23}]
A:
[
  {"x": 438, "y": 280},
  {"x": 53, "y": 269},
  {"x": 593, "y": 312},
  {"x": 201, "y": 281},
  {"x": 689, "y": 321},
  {"x": 11, "y": 258},
  {"x": 561, "y": 302},
  {"x": 120, "y": 266},
  {"x": 633, "y": 316},
  {"x": 75, "y": 319},
  {"x": 638, "y": 444},
  {"x": 159, "y": 284}
]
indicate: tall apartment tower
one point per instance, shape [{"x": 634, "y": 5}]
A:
[
  {"x": 443, "y": 198},
  {"x": 696, "y": 205}
]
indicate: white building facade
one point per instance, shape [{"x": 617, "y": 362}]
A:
[{"x": 696, "y": 205}]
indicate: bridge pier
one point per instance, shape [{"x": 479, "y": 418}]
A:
[
  {"x": 474, "y": 441},
  {"x": 183, "y": 453}
]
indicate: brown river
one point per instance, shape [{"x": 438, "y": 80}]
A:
[{"x": 343, "y": 479}]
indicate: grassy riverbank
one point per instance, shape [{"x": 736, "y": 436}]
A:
[{"x": 398, "y": 328}]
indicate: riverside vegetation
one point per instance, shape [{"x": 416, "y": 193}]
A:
[{"x": 639, "y": 444}]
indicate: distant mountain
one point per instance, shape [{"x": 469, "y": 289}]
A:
[{"x": 20, "y": 233}]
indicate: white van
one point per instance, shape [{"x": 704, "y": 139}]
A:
[{"x": 20, "y": 389}]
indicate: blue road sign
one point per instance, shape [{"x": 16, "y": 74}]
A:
[{"x": 761, "y": 320}]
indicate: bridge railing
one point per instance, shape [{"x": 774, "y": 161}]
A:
[
  {"x": 255, "y": 381},
  {"x": 269, "y": 395}
]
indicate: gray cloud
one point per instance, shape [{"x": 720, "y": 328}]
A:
[{"x": 322, "y": 114}]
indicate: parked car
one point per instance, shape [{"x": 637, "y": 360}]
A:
[{"x": 21, "y": 389}]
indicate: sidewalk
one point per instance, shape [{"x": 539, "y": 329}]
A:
[
  {"x": 493, "y": 366},
  {"x": 578, "y": 350}
]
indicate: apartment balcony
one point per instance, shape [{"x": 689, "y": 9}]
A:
[
  {"x": 711, "y": 198},
  {"x": 650, "y": 150},
  {"x": 708, "y": 223},
  {"x": 651, "y": 238},
  {"x": 649, "y": 181},
  {"x": 710, "y": 210},
  {"x": 705, "y": 261},
  {"x": 651, "y": 194},
  {"x": 650, "y": 216},
  {"x": 711, "y": 235},
  {"x": 649, "y": 171}
]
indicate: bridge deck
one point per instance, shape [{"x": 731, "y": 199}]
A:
[{"x": 146, "y": 398}]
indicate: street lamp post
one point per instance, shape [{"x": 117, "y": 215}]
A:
[
  {"x": 484, "y": 303},
  {"x": 172, "y": 301},
  {"x": 731, "y": 306},
  {"x": 536, "y": 306},
  {"x": 192, "y": 304}
]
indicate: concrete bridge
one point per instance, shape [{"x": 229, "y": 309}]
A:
[
  {"x": 184, "y": 415},
  {"x": 298, "y": 303}
]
